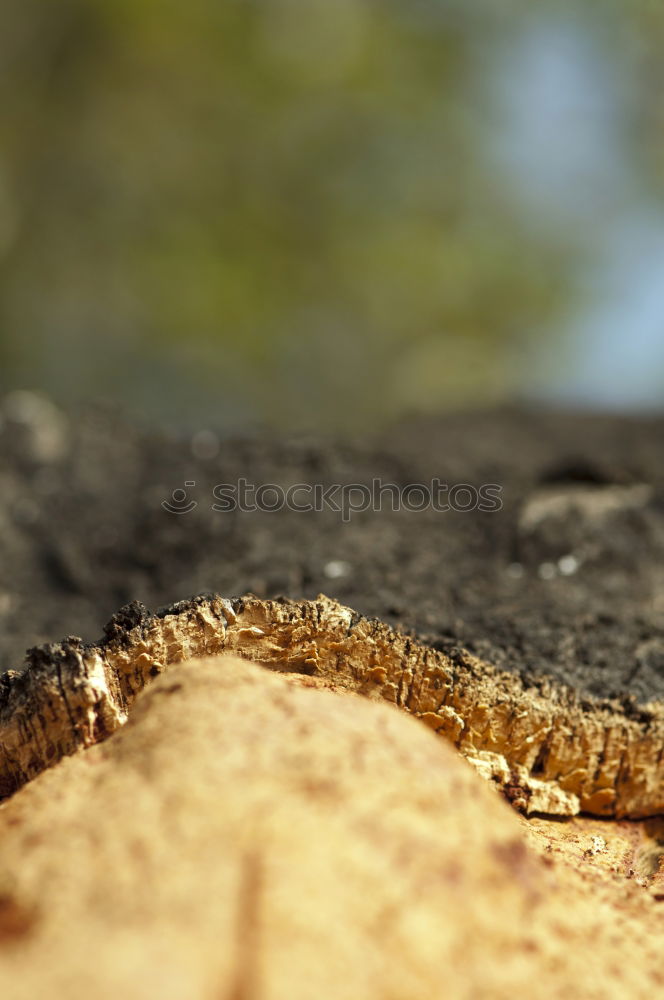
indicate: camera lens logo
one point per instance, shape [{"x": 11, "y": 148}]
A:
[{"x": 178, "y": 503}]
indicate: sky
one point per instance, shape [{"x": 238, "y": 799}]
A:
[{"x": 562, "y": 110}]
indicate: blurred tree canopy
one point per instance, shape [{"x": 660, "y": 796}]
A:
[{"x": 284, "y": 210}]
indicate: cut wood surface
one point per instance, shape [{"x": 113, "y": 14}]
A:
[{"x": 249, "y": 836}]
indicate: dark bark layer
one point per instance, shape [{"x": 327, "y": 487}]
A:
[{"x": 82, "y": 532}]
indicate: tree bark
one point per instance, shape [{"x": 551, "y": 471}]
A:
[{"x": 550, "y": 750}]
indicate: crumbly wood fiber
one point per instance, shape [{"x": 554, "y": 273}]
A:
[
  {"x": 549, "y": 750},
  {"x": 247, "y": 837}
]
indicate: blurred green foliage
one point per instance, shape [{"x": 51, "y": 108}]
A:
[{"x": 275, "y": 209}]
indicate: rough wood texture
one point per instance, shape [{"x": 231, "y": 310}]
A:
[
  {"x": 247, "y": 837},
  {"x": 549, "y": 750}
]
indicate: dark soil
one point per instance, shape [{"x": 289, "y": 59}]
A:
[{"x": 567, "y": 579}]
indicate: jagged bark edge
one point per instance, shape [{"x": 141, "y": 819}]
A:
[{"x": 549, "y": 749}]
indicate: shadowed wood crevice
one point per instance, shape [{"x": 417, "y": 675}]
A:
[{"x": 549, "y": 749}]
